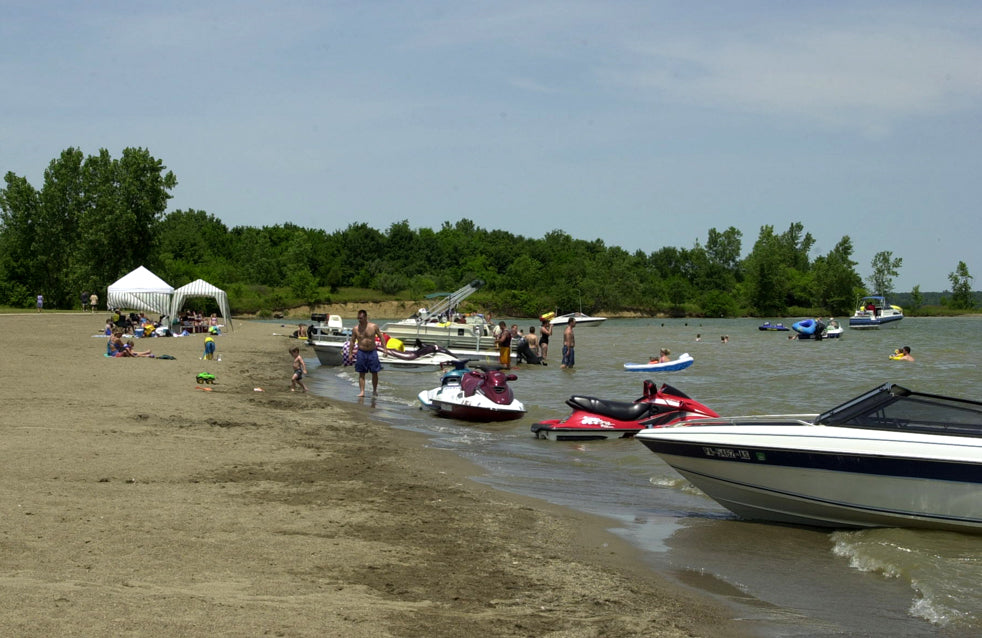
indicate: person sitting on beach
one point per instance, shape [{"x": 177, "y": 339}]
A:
[{"x": 117, "y": 348}]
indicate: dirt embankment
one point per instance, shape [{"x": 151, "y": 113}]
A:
[{"x": 396, "y": 309}]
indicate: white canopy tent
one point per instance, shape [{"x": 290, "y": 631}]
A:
[
  {"x": 201, "y": 288},
  {"x": 141, "y": 290}
]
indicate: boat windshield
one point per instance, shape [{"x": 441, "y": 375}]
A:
[{"x": 892, "y": 407}]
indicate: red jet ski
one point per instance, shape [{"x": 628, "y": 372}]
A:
[{"x": 593, "y": 419}]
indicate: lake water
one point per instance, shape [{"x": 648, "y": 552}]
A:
[{"x": 786, "y": 581}]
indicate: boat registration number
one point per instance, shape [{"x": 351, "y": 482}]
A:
[{"x": 727, "y": 453}]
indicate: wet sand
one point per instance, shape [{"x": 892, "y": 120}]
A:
[{"x": 136, "y": 501}]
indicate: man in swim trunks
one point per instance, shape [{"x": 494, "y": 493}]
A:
[
  {"x": 569, "y": 345},
  {"x": 364, "y": 334}
]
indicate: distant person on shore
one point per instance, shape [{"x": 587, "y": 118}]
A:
[
  {"x": 569, "y": 345},
  {"x": 40, "y": 303},
  {"x": 299, "y": 370},
  {"x": 93, "y": 302},
  {"x": 364, "y": 335},
  {"x": 85, "y": 300},
  {"x": 545, "y": 331}
]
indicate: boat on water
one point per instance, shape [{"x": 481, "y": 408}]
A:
[
  {"x": 684, "y": 361},
  {"x": 816, "y": 329},
  {"x": 419, "y": 357},
  {"x": 777, "y": 327},
  {"x": 479, "y": 394},
  {"x": 891, "y": 457},
  {"x": 444, "y": 324},
  {"x": 873, "y": 312},
  {"x": 582, "y": 320}
]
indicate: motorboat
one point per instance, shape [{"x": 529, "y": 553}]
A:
[
  {"x": 816, "y": 329},
  {"x": 776, "y": 327},
  {"x": 595, "y": 419},
  {"x": 582, "y": 320},
  {"x": 684, "y": 361},
  {"x": 890, "y": 457},
  {"x": 326, "y": 335},
  {"x": 419, "y": 357},
  {"x": 445, "y": 325},
  {"x": 479, "y": 394},
  {"x": 873, "y": 312},
  {"x": 808, "y": 328}
]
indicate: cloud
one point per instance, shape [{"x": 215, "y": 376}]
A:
[{"x": 862, "y": 77}]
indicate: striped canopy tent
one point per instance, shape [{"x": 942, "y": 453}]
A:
[
  {"x": 141, "y": 290},
  {"x": 201, "y": 288}
]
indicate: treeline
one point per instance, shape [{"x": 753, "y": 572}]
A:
[{"x": 96, "y": 218}]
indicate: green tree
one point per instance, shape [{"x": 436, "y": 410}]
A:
[
  {"x": 20, "y": 206},
  {"x": 884, "y": 266},
  {"x": 835, "y": 278},
  {"x": 193, "y": 244},
  {"x": 916, "y": 299},
  {"x": 124, "y": 201},
  {"x": 766, "y": 272},
  {"x": 961, "y": 288}
]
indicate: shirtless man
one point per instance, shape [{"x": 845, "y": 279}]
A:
[
  {"x": 532, "y": 340},
  {"x": 569, "y": 343},
  {"x": 364, "y": 335}
]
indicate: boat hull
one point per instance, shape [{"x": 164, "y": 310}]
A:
[
  {"x": 553, "y": 431},
  {"x": 681, "y": 363},
  {"x": 329, "y": 353},
  {"x": 794, "y": 478},
  {"x": 873, "y": 322},
  {"x": 830, "y": 333}
]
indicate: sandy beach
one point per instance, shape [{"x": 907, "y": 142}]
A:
[{"x": 138, "y": 502}]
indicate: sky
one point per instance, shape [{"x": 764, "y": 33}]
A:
[{"x": 643, "y": 124}]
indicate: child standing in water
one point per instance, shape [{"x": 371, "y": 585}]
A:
[{"x": 299, "y": 369}]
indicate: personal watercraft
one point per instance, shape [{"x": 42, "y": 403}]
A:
[
  {"x": 478, "y": 394},
  {"x": 594, "y": 419}
]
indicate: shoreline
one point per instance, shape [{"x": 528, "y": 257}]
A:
[{"x": 141, "y": 502}]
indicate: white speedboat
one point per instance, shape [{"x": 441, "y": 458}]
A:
[
  {"x": 888, "y": 458},
  {"x": 582, "y": 320},
  {"x": 873, "y": 312},
  {"x": 326, "y": 337}
]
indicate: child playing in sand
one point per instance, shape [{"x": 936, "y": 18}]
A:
[{"x": 299, "y": 369}]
